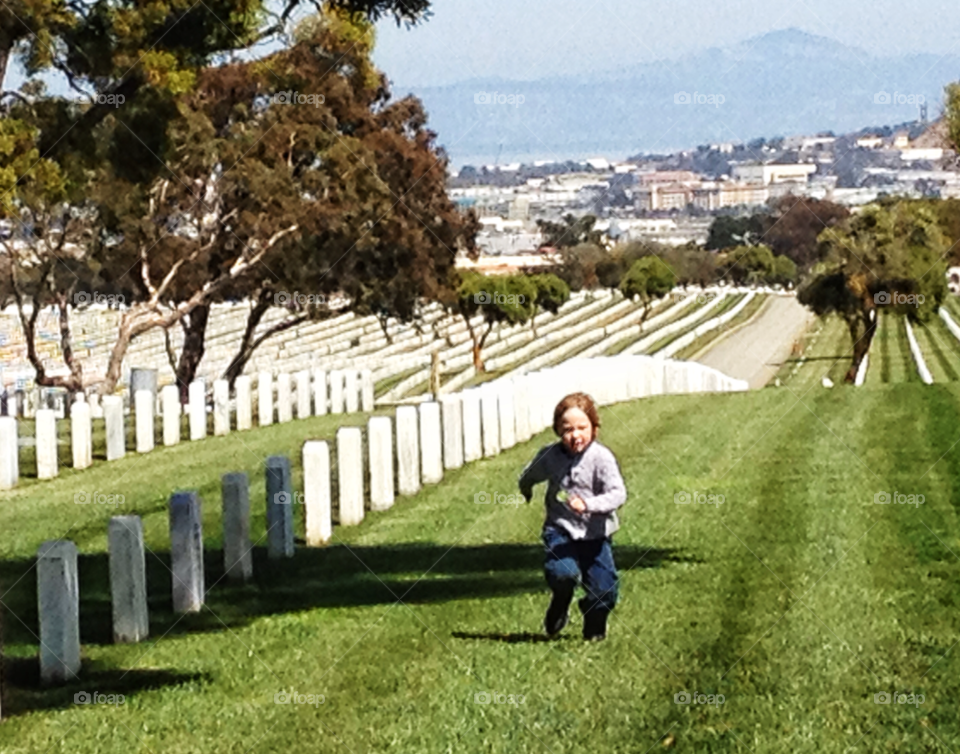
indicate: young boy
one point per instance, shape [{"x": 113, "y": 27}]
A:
[{"x": 584, "y": 490}]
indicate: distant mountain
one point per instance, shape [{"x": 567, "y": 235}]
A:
[{"x": 779, "y": 84}]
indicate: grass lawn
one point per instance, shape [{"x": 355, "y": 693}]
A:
[
  {"x": 826, "y": 352},
  {"x": 798, "y": 599}
]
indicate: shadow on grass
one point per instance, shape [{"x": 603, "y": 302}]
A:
[
  {"x": 332, "y": 577},
  {"x": 21, "y": 676},
  {"x": 522, "y": 638}
]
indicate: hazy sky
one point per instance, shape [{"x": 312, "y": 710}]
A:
[{"x": 526, "y": 39}]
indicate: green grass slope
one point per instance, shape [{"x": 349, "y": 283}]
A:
[{"x": 798, "y": 599}]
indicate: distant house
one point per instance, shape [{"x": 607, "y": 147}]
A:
[{"x": 870, "y": 142}]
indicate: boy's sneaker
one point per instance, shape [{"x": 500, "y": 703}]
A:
[
  {"x": 594, "y": 637},
  {"x": 594, "y": 626},
  {"x": 556, "y": 619}
]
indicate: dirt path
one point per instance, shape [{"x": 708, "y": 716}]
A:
[{"x": 756, "y": 351}]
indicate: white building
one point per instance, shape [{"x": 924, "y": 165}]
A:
[{"x": 774, "y": 173}]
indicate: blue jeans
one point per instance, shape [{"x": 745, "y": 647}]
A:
[{"x": 589, "y": 561}]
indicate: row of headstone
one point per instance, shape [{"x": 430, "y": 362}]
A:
[
  {"x": 317, "y": 393},
  {"x": 427, "y": 440}
]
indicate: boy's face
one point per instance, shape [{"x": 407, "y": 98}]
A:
[{"x": 576, "y": 431}]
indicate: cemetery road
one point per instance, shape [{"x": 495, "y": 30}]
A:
[{"x": 756, "y": 351}]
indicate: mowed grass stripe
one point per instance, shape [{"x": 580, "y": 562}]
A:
[
  {"x": 942, "y": 355},
  {"x": 826, "y": 352}
]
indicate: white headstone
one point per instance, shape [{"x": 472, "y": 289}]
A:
[
  {"x": 128, "y": 576},
  {"x": 170, "y": 401},
  {"x": 320, "y": 400},
  {"x": 472, "y": 427},
  {"x": 221, "y": 408},
  {"x": 452, "y": 414},
  {"x": 380, "y": 439},
  {"x": 521, "y": 412},
  {"x": 284, "y": 398},
  {"x": 350, "y": 474},
  {"x": 367, "y": 390},
  {"x": 46, "y": 427},
  {"x": 304, "y": 398},
  {"x": 352, "y": 391},
  {"x": 186, "y": 552},
  {"x": 265, "y": 399},
  {"x": 431, "y": 444},
  {"x": 58, "y": 598},
  {"x": 116, "y": 432},
  {"x": 490, "y": 413},
  {"x": 279, "y": 484},
  {"x": 9, "y": 453},
  {"x": 237, "y": 550},
  {"x": 143, "y": 414},
  {"x": 336, "y": 392},
  {"x": 316, "y": 492},
  {"x": 507, "y": 415},
  {"x": 244, "y": 403},
  {"x": 81, "y": 436},
  {"x": 198, "y": 410},
  {"x": 408, "y": 450}
]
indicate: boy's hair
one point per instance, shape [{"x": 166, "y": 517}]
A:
[{"x": 576, "y": 400}]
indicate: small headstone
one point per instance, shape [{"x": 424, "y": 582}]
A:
[
  {"x": 265, "y": 399},
  {"x": 170, "y": 403},
  {"x": 408, "y": 450},
  {"x": 58, "y": 598},
  {"x": 116, "y": 432},
  {"x": 186, "y": 552},
  {"x": 221, "y": 408},
  {"x": 284, "y": 398},
  {"x": 320, "y": 404},
  {"x": 128, "y": 576},
  {"x": 472, "y": 432},
  {"x": 237, "y": 552},
  {"x": 46, "y": 428},
  {"x": 336, "y": 392},
  {"x": 244, "y": 403},
  {"x": 81, "y": 435},
  {"x": 303, "y": 394},
  {"x": 143, "y": 414},
  {"x": 279, "y": 508},
  {"x": 452, "y": 414},
  {"x": 198, "y": 410},
  {"x": 507, "y": 415},
  {"x": 380, "y": 440},
  {"x": 96, "y": 407},
  {"x": 366, "y": 391},
  {"x": 490, "y": 413},
  {"x": 9, "y": 453},
  {"x": 350, "y": 475},
  {"x": 431, "y": 444},
  {"x": 316, "y": 492},
  {"x": 521, "y": 413},
  {"x": 352, "y": 391}
]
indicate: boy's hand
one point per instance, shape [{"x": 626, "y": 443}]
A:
[{"x": 577, "y": 505}]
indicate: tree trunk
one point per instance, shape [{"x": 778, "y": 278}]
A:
[
  {"x": 245, "y": 351},
  {"x": 194, "y": 332},
  {"x": 861, "y": 342}
]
